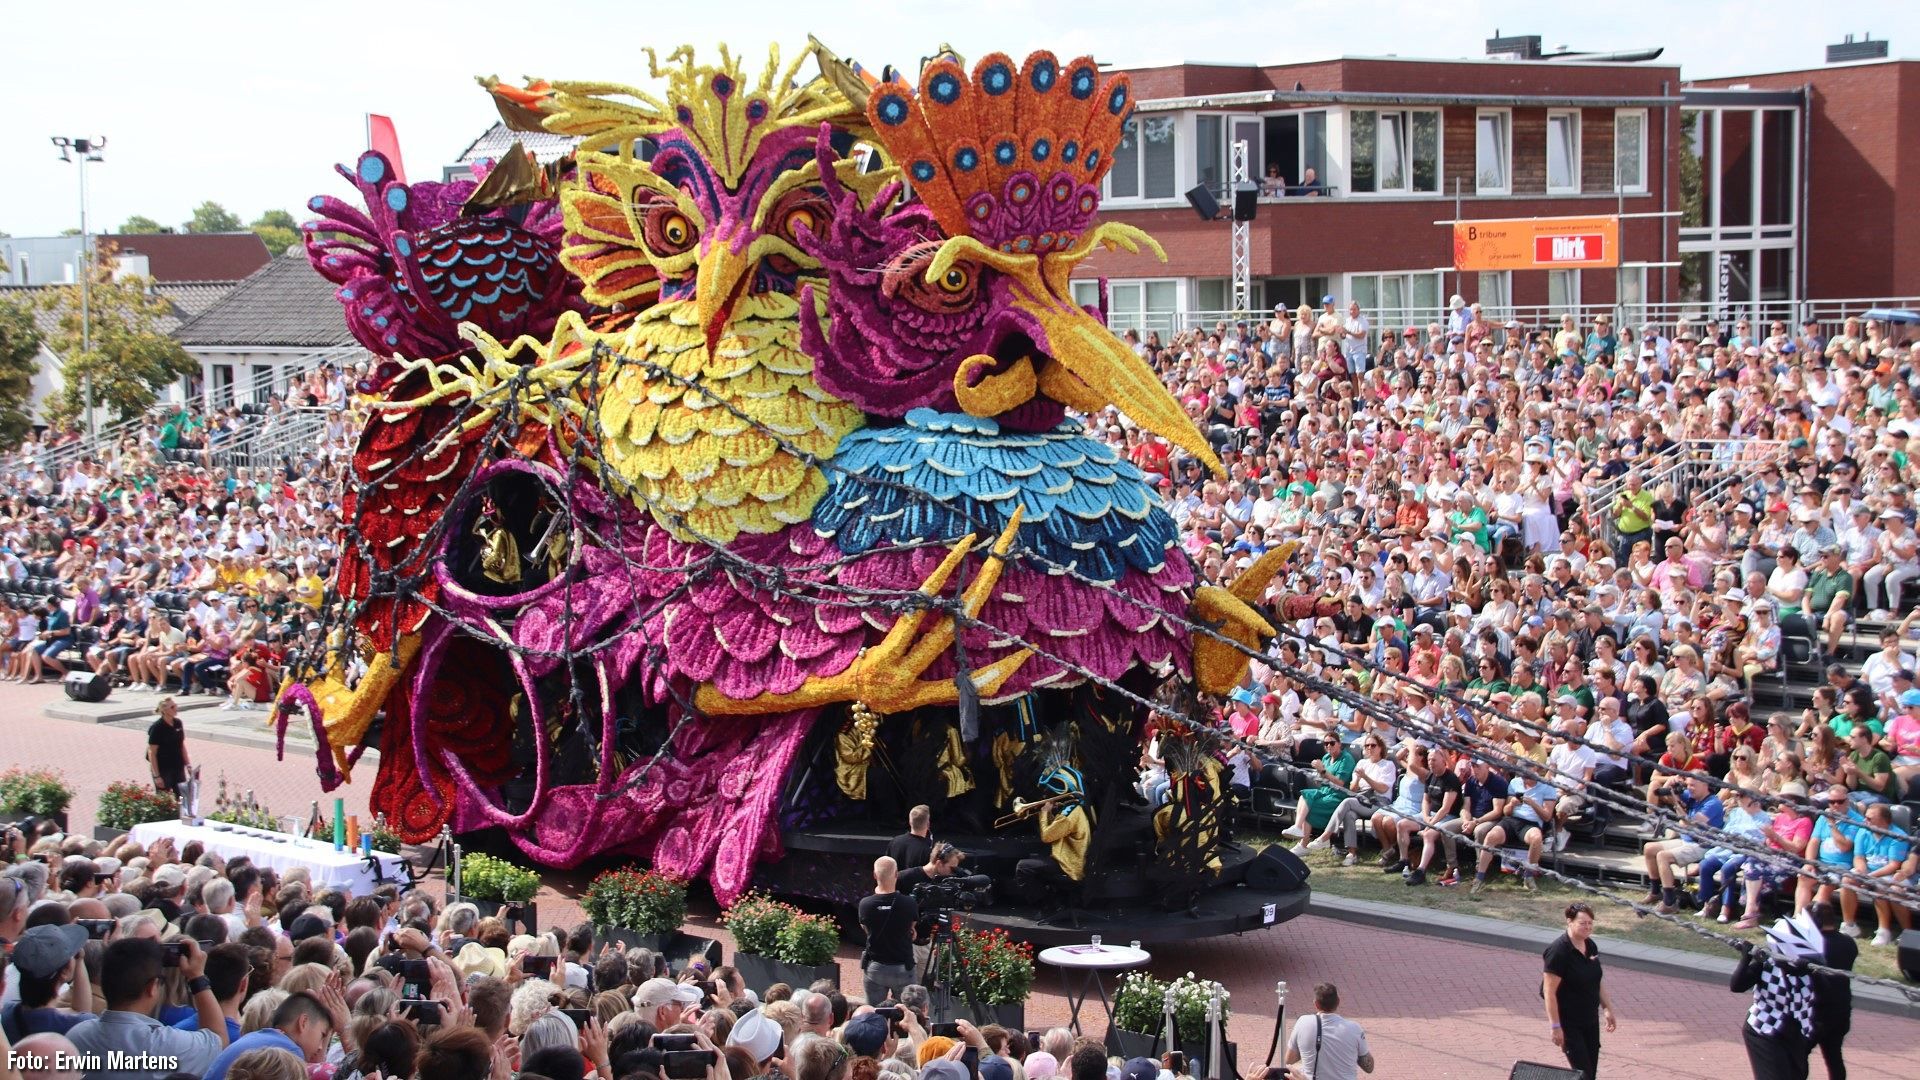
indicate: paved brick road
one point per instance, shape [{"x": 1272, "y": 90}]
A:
[{"x": 1431, "y": 1008}]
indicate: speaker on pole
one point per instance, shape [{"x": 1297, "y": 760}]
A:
[
  {"x": 86, "y": 686},
  {"x": 1246, "y": 202},
  {"x": 1200, "y": 197},
  {"x": 1277, "y": 868}
]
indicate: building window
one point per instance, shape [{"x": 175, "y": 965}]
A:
[
  {"x": 1496, "y": 293},
  {"x": 1563, "y": 152},
  {"x": 1143, "y": 305},
  {"x": 1395, "y": 300},
  {"x": 1144, "y": 164},
  {"x": 1631, "y": 298},
  {"x": 1493, "y": 152},
  {"x": 1086, "y": 293},
  {"x": 1394, "y": 152},
  {"x": 1630, "y": 151},
  {"x": 1563, "y": 290},
  {"x": 1209, "y": 153}
]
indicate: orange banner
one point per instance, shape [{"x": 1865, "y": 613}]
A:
[{"x": 1537, "y": 243}]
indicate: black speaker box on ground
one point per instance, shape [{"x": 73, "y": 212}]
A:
[
  {"x": 1909, "y": 961},
  {"x": 1277, "y": 868},
  {"x": 1203, "y": 202},
  {"x": 1533, "y": 1070},
  {"x": 86, "y": 686}
]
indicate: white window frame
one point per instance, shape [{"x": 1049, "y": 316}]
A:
[
  {"x": 1571, "y": 116},
  {"x": 1406, "y": 153},
  {"x": 1505, "y": 116},
  {"x": 1623, "y": 184},
  {"x": 1503, "y": 283},
  {"x": 1181, "y": 170},
  {"x": 1571, "y": 302}
]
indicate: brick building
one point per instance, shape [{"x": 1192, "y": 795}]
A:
[
  {"x": 1859, "y": 148},
  {"x": 1392, "y": 143}
]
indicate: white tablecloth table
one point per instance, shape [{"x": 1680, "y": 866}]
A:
[
  {"x": 1090, "y": 961},
  {"x": 344, "y": 870}
]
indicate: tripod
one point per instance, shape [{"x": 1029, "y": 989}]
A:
[{"x": 946, "y": 970}]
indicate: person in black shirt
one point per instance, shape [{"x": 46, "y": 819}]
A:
[
  {"x": 944, "y": 861},
  {"x": 1575, "y": 994},
  {"x": 913, "y": 847},
  {"x": 167, "y": 747},
  {"x": 887, "y": 916},
  {"x": 1442, "y": 802},
  {"x": 1832, "y": 993}
]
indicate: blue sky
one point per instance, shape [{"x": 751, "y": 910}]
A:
[{"x": 250, "y": 104}]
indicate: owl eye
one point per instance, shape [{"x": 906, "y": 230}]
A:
[
  {"x": 668, "y": 231},
  {"x": 956, "y": 281},
  {"x": 801, "y": 216}
]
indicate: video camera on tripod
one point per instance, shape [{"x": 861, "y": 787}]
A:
[{"x": 955, "y": 892}]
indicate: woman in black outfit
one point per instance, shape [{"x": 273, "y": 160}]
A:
[
  {"x": 1575, "y": 995},
  {"x": 1647, "y": 715}
]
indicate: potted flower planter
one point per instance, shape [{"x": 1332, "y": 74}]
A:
[
  {"x": 678, "y": 947},
  {"x": 1012, "y": 1016},
  {"x": 1133, "y": 1044},
  {"x": 760, "y": 972},
  {"x": 524, "y": 915}
]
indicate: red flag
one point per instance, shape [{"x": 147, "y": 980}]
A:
[{"x": 382, "y": 137}]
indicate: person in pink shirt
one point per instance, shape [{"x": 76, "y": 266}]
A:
[
  {"x": 1787, "y": 836},
  {"x": 1903, "y": 739}
]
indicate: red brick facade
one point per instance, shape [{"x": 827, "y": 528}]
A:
[
  {"x": 1863, "y": 172},
  {"x": 1298, "y": 237}
]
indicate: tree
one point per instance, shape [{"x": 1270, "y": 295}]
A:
[
  {"x": 277, "y": 229},
  {"x": 19, "y": 358},
  {"x": 140, "y": 224},
  {"x": 129, "y": 357},
  {"x": 211, "y": 217}
]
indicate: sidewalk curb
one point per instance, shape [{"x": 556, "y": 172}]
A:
[{"x": 1624, "y": 952}]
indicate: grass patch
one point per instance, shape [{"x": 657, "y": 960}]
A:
[{"x": 1505, "y": 899}]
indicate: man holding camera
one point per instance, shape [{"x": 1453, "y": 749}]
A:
[
  {"x": 888, "y": 917},
  {"x": 132, "y": 978}
]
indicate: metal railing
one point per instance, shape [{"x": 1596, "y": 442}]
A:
[
  {"x": 1700, "y": 470},
  {"x": 1627, "y": 318}
]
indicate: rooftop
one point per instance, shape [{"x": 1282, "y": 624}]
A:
[
  {"x": 186, "y": 298},
  {"x": 284, "y": 304}
]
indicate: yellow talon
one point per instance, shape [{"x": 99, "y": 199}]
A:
[
  {"x": 888, "y": 675},
  {"x": 1217, "y": 666}
]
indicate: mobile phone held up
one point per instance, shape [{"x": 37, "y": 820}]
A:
[
  {"x": 422, "y": 1012},
  {"x": 680, "y": 1057}
]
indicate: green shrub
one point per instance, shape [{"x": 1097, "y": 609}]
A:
[
  {"x": 125, "y": 804},
  {"x": 39, "y": 792},
  {"x": 639, "y": 900},
  {"x": 809, "y": 940},
  {"x": 1139, "y": 1003},
  {"x": 755, "y": 921},
  {"x": 483, "y": 877}
]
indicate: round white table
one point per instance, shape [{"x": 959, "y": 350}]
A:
[
  {"x": 1090, "y": 961},
  {"x": 328, "y": 869}
]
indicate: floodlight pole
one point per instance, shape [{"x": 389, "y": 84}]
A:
[{"x": 88, "y": 150}]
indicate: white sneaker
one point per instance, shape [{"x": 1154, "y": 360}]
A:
[
  {"x": 1882, "y": 937},
  {"x": 1723, "y": 914},
  {"x": 1294, "y": 832},
  {"x": 1298, "y": 849},
  {"x": 1850, "y": 929},
  {"x": 1350, "y": 859},
  {"x": 1319, "y": 844},
  {"x": 230, "y": 704},
  {"x": 1560, "y": 840}
]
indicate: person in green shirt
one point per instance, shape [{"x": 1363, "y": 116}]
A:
[
  {"x": 1489, "y": 681},
  {"x": 1468, "y": 520},
  {"x": 1868, "y": 771},
  {"x": 1335, "y": 775},
  {"x": 1828, "y": 600},
  {"x": 1632, "y": 516}
]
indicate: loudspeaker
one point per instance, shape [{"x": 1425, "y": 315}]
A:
[
  {"x": 1909, "y": 961},
  {"x": 86, "y": 686},
  {"x": 1203, "y": 202},
  {"x": 1277, "y": 868},
  {"x": 1533, "y": 1070},
  {"x": 1246, "y": 201}
]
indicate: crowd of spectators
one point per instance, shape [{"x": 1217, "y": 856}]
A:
[
  {"x": 1621, "y": 534},
  {"x": 219, "y": 968},
  {"x": 166, "y": 562}
]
